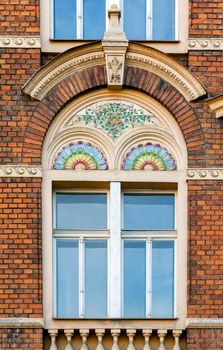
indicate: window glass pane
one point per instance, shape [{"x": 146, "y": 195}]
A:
[
  {"x": 67, "y": 278},
  {"x": 134, "y": 278},
  {"x": 162, "y": 278},
  {"x": 65, "y": 19},
  {"x": 135, "y": 19},
  {"x": 94, "y": 19},
  {"x": 86, "y": 211},
  {"x": 148, "y": 211},
  {"x": 163, "y": 19},
  {"x": 96, "y": 279}
]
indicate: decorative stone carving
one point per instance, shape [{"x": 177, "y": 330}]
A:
[
  {"x": 69, "y": 333},
  {"x": 205, "y": 174},
  {"x": 147, "y": 334},
  {"x": 176, "y": 334},
  {"x": 115, "y": 117},
  {"x": 61, "y": 67},
  {"x": 205, "y": 44},
  {"x": 19, "y": 171},
  {"x": 148, "y": 157},
  {"x": 80, "y": 156},
  {"x": 100, "y": 333},
  {"x": 162, "y": 334},
  {"x": 131, "y": 333},
  {"x": 115, "y": 45},
  {"x": 165, "y": 67},
  {"x": 21, "y": 42},
  {"x": 84, "y": 334},
  {"x": 115, "y": 334},
  {"x": 53, "y": 335}
]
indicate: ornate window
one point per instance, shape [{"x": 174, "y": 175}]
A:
[{"x": 114, "y": 164}]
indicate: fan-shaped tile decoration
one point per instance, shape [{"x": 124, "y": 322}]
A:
[
  {"x": 80, "y": 156},
  {"x": 148, "y": 157}
]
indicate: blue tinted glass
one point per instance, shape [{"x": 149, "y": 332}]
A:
[
  {"x": 96, "y": 279},
  {"x": 135, "y": 19},
  {"x": 94, "y": 19},
  {"x": 86, "y": 211},
  {"x": 163, "y": 20},
  {"x": 134, "y": 278},
  {"x": 162, "y": 278},
  {"x": 64, "y": 19},
  {"x": 67, "y": 278},
  {"x": 148, "y": 211}
]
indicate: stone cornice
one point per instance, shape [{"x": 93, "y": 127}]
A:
[
  {"x": 168, "y": 69},
  {"x": 204, "y": 323},
  {"x": 205, "y": 44},
  {"x": 65, "y": 64},
  {"x": 20, "y": 42},
  {"x": 20, "y": 171},
  {"x": 205, "y": 174},
  {"x": 216, "y": 105},
  {"x": 28, "y": 171},
  {"x": 13, "y": 322}
]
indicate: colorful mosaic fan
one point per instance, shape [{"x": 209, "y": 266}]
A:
[
  {"x": 149, "y": 157},
  {"x": 80, "y": 156}
]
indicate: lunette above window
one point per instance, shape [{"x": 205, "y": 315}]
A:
[{"x": 141, "y": 19}]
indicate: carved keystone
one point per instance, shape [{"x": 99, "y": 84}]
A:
[{"x": 115, "y": 46}]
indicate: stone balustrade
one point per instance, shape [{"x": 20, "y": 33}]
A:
[{"x": 115, "y": 339}]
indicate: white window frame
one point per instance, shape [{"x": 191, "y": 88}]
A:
[{"x": 115, "y": 249}]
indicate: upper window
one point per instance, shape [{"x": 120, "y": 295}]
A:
[{"x": 141, "y": 19}]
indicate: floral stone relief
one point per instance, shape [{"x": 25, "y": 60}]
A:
[{"x": 114, "y": 117}]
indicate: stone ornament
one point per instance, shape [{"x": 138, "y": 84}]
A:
[
  {"x": 114, "y": 117},
  {"x": 115, "y": 46},
  {"x": 149, "y": 157},
  {"x": 205, "y": 44},
  {"x": 20, "y": 41},
  {"x": 80, "y": 156},
  {"x": 20, "y": 171},
  {"x": 205, "y": 174}
]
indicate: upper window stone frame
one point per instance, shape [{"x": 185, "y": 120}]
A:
[{"x": 179, "y": 45}]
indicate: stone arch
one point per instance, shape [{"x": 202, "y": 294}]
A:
[{"x": 94, "y": 78}]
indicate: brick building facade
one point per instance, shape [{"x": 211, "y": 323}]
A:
[{"x": 40, "y": 82}]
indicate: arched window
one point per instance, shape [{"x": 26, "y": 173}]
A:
[{"x": 114, "y": 204}]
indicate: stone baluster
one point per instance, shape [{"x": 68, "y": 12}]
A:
[
  {"x": 84, "y": 334},
  {"x": 100, "y": 333},
  {"x": 69, "y": 333},
  {"x": 53, "y": 334},
  {"x": 147, "y": 334},
  {"x": 176, "y": 334},
  {"x": 115, "y": 334},
  {"x": 131, "y": 333},
  {"x": 162, "y": 334}
]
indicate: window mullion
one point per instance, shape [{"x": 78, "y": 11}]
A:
[
  {"x": 148, "y": 277},
  {"x": 149, "y": 19},
  {"x": 114, "y": 309},
  {"x": 80, "y": 19},
  {"x": 81, "y": 278}
]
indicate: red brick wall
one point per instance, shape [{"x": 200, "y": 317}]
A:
[
  {"x": 19, "y": 17},
  {"x": 20, "y": 339},
  {"x": 206, "y": 18},
  {"x": 205, "y": 249},
  {"x": 16, "y": 67},
  {"x": 204, "y": 339},
  {"x": 20, "y": 248}
]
